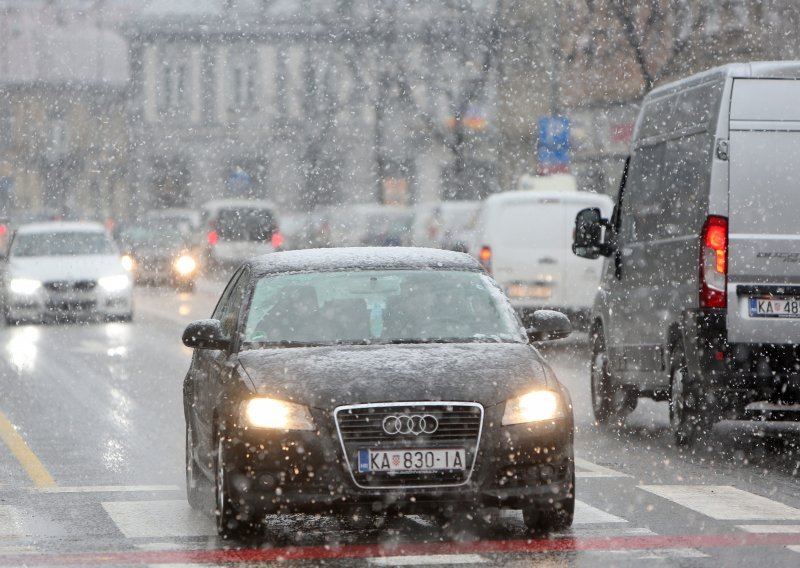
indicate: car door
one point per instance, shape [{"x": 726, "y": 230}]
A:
[{"x": 211, "y": 368}]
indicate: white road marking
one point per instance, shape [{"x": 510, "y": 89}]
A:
[
  {"x": 770, "y": 529},
  {"x": 725, "y": 503},
  {"x": 11, "y": 523},
  {"x": 793, "y": 548},
  {"x": 432, "y": 560},
  {"x": 109, "y": 489},
  {"x": 587, "y": 515},
  {"x": 153, "y": 519},
  {"x": 593, "y": 470}
]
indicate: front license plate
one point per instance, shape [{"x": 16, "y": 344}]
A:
[
  {"x": 519, "y": 290},
  {"x": 412, "y": 460},
  {"x": 775, "y": 307}
]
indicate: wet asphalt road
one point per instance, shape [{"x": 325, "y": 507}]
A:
[{"x": 91, "y": 472}]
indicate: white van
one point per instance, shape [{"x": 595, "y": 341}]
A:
[
  {"x": 239, "y": 229},
  {"x": 700, "y": 301},
  {"x": 525, "y": 239}
]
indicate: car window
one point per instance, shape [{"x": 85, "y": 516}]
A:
[
  {"x": 379, "y": 306},
  {"x": 243, "y": 224},
  {"x": 642, "y": 205},
  {"x": 62, "y": 243},
  {"x": 227, "y": 310}
]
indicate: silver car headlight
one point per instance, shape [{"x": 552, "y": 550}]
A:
[
  {"x": 185, "y": 264},
  {"x": 116, "y": 283},
  {"x": 263, "y": 412},
  {"x": 535, "y": 406},
  {"x": 24, "y": 286}
]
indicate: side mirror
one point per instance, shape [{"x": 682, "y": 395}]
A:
[
  {"x": 205, "y": 334},
  {"x": 588, "y": 239},
  {"x": 549, "y": 324}
]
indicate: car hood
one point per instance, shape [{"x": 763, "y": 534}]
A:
[
  {"x": 48, "y": 268},
  {"x": 326, "y": 377}
]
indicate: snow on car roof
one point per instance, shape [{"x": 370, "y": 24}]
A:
[
  {"x": 364, "y": 258},
  {"x": 62, "y": 226}
]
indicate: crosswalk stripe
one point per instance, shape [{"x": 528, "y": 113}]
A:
[
  {"x": 725, "y": 503},
  {"x": 432, "y": 560},
  {"x": 587, "y": 469},
  {"x": 11, "y": 522},
  {"x": 770, "y": 529},
  {"x": 585, "y": 514},
  {"x": 109, "y": 489},
  {"x": 153, "y": 519}
]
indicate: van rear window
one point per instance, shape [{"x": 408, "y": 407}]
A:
[{"x": 245, "y": 224}]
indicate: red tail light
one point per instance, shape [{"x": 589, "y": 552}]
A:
[
  {"x": 3, "y": 230},
  {"x": 485, "y": 257},
  {"x": 213, "y": 238},
  {"x": 714, "y": 263},
  {"x": 277, "y": 239}
]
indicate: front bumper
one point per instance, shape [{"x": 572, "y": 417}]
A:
[
  {"x": 516, "y": 467},
  {"x": 44, "y": 304}
]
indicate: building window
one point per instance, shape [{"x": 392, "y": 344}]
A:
[
  {"x": 174, "y": 85},
  {"x": 244, "y": 82}
]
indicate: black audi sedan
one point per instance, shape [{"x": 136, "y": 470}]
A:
[{"x": 377, "y": 380}]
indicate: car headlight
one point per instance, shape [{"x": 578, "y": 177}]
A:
[
  {"x": 277, "y": 414},
  {"x": 128, "y": 262},
  {"x": 534, "y": 406},
  {"x": 116, "y": 283},
  {"x": 185, "y": 264},
  {"x": 24, "y": 286}
]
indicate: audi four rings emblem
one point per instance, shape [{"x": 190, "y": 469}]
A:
[{"x": 410, "y": 424}]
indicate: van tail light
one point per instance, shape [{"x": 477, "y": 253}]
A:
[
  {"x": 213, "y": 237},
  {"x": 485, "y": 257},
  {"x": 277, "y": 239},
  {"x": 714, "y": 263},
  {"x": 3, "y": 229}
]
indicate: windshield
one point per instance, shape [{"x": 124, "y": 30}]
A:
[
  {"x": 62, "y": 243},
  {"x": 379, "y": 307},
  {"x": 155, "y": 235}
]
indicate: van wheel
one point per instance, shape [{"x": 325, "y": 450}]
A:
[
  {"x": 686, "y": 416},
  {"x": 610, "y": 403}
]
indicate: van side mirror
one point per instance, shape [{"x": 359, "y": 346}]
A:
[
  {"x": 205, "y": 334},
  {"x": 588, "y": 239},
  {"x": 548, "y": 324}
]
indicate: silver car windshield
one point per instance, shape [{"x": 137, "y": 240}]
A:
[
  {"x": 62, "y": 243},
  {"x": 390, "y": 306}
]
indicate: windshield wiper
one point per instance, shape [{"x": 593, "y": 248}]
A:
[
  {"x": 282, "y": 343},
  {"x": 414, "y": 340}
]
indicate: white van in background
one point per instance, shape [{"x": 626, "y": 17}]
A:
[{"x": 524, "y": 239}]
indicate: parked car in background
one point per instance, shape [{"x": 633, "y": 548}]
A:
[
  {"x": 368, "y": 224},
  {"x": 185, "y": 220},
  {"x": 65, "y": 269},
  {"x": 159, "y": 253},
  {"x": 524, "y": 239},
  {"x": 448, "y": 225},
  {"x": 700, "y": 300},
  {"x": 238, "y": 229},
  {"x": 369, "y": 381}
]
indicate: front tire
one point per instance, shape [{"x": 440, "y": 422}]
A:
[
  {"x": 231, "y": 523},
  {"x": 198, "y": 488},
  {"x": 610, "y": 403},
  {"x": 554, "y": 516}
]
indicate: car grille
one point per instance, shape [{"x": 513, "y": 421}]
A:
[
  {"x": 70, "y": 285},
  {"x": 360, "y": 427}
]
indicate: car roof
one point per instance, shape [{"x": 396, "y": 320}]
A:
[
  {"x": 533, "y": 196},
  {"x": 363, "y": 258},
  {"x": 61, "y": 227},
  {"x": 217, "y": 204}
]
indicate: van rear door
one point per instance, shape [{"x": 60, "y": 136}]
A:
[
  {"x": 764, "y": 212},
  {"x": 528, "y": 241}
]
